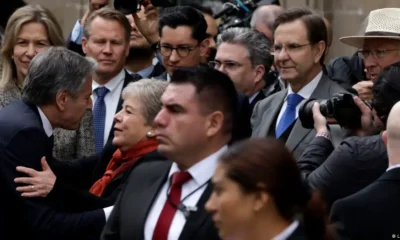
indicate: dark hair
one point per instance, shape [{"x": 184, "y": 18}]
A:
[
  {"x": 174, "y": 17},
  {"x": 265, "y": 164},
  {"x": 201, "y": 8},
  {"x": 386, "y": 91},
  {"x": 108, "y": 14},
  {"x": 215, "y": 91},
  {"x": 316, "y": 27}
]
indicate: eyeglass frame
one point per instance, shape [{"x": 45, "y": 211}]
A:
[
  {"x": 190, "y": 49},
  {"x": 375, "y": 53},
  {"x": 237, "y": 65}
]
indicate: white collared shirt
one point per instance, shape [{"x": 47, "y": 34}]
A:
[
  {"x": 305, "y": 92},
  {"x": 393, "y": 167},
  {"x": 48, "y": 129},
  {"x": 201, "y": 173},
  {"x": 168, "y": 78},
  {"x": 285, "y": 234},
  {"x": 254, "y": 96},
  {"x": 111, "y": 100}
]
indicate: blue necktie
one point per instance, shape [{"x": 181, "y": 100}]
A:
[
  {"x": 99, "y": 117},
  {"x": 289, "y": 116}
]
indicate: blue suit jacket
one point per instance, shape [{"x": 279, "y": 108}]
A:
[{"x": 23, "y": 142}]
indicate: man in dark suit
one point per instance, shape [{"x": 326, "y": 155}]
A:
[
  {"x": 299, "y": 51},
  {"x": 106, "y": 39},
  {"x": 166, "y": 200},
  {"x": 373, "y": 213},
  {"x": 182, "y": 43},
  {"x": 244, "y": 55},
  {"x": 56, "y": 94}
]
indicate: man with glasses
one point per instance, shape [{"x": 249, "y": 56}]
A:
[
  {"x": 379, "y": 47},
  {"x": 183, "y": 39},
  {"x": 243, "y": 54},
  {"x": 300, "y": 39}
]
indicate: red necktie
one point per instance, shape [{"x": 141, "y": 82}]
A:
[{"x": 168, "y": 212}]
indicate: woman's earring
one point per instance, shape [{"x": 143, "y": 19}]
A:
[{"x": 150, "y": 134}]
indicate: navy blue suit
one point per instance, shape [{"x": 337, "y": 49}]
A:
[{"x": 23, "y": 142}]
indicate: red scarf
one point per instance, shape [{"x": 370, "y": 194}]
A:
[{"x": 121, "y": 162}]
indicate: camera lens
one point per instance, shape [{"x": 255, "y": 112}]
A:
[{"x": 306, "y": 113}]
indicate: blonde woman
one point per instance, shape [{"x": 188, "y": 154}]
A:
[{"x": 29, "y": 31}]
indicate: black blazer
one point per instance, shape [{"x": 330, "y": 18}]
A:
[
  {"x": 372, "y": 213},
  {"x": 23, "y": 142},
  {"x": 260, "y": 96},
  {"x": 127, "y": 221}
]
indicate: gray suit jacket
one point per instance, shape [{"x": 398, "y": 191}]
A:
[{"x": 267, "y": 110}]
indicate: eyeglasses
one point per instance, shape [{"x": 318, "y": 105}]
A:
[
  {"x": 290, "y": 48},
  {"x": 182, "y": 51},
  {"x": 228, "y": 65},
  {"x": 378, "y": 53}
]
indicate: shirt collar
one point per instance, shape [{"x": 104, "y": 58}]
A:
[
  {"x": 254, "y": 96},
  {"x": 48, "y": 129},
  {"x": 308, "y": 89},
  {"x": 393, "y": 167},
  {"x": 285, "y": 234},
  {"x": 202, "y": 171},
  {"x": 168, "y": 78},
  {"x": 112, "y": 84}
]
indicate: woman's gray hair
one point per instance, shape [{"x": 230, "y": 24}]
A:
[
  {"x": 148, "y": 92},
  {"x": 53, "y": 70},
  {"x": 257, "y": 45}
]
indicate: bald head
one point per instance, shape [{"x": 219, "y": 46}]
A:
[{"x": 264, "y": 17}]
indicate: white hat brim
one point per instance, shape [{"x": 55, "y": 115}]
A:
[{"x": 358, "y": 41}]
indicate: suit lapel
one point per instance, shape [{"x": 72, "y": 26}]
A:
[
  {"x": 197, "y": 218},
  {"x": 272, "y": 112},
  {"x": 137, "y": 213},
  {"x": 298, "y": 133}
]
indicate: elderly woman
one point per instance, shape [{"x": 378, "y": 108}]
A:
[
  {"x": 259, "y": 180},
  {"x": 135, "y": 139},
  {"x": 29, "y": 31}
]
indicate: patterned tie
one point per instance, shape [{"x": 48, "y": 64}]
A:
[
  {"x": 99, "y": 117},
  {"x": 168, "y": 212},
  {"x": 289, "y": 116}
]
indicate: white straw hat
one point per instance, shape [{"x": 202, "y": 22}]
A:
[{"x": 382, "y": 23}]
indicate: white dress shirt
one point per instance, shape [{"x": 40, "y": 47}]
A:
[
  {"x": 77, "y": 33},
  {"x": 285, "y": 234},
  {"x": 393, "y": 167},
  {"x": 49, "y": 131},
  {"x": 168, "y": 78},
  {"x": 201, "y": 173},
  {"x": 305, "y": 92},
  {"x": 111, "y": 100}
]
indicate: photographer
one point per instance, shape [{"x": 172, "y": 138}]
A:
[{"x": 358, "y": 160}]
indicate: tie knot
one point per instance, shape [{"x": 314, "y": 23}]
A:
[
  {"x": 180, "y": 178},
  {"x": 294, "y": 99},
  {"x": 101, "y": 91}
]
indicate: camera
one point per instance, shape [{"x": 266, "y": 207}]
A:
[
  {"x": 133, "y": 6},
  {"x": 341, "y": 107}
]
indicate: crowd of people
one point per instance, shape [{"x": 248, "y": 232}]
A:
[{"x": 155, "y": 125}]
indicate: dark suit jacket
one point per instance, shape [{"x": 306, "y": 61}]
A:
[
  {"x": 342, "y": 171},
  {"x": 128, "y": 218},
  {"x": 23, "y": 142},
  {"x": 372, "y": 213},
  {"x": 266, "y": 111},
  {"x": 260, "y": 96}
]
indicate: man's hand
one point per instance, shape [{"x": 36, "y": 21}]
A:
[
  {"x": 364, "y": 89},
  {"x": 39, "y": 184},
  {"x": 367, "y": 126},
  {"x": 320, "y": 122},
  {"x": 93, "y": 6},
  {"x": 147, "y": 22}
]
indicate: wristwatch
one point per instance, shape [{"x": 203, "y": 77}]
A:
[{"x": 323, "y": 134}]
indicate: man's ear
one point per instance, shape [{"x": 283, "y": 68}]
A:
[
  {"x": 214, "y": 123},
  {"x": 385, "y": 137},
  {"x": 62, "y": 99},
  {"x": 320, "y": 51},
  {"x": 84, "y": 45},
  {"x": 259, "y": 71}
]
